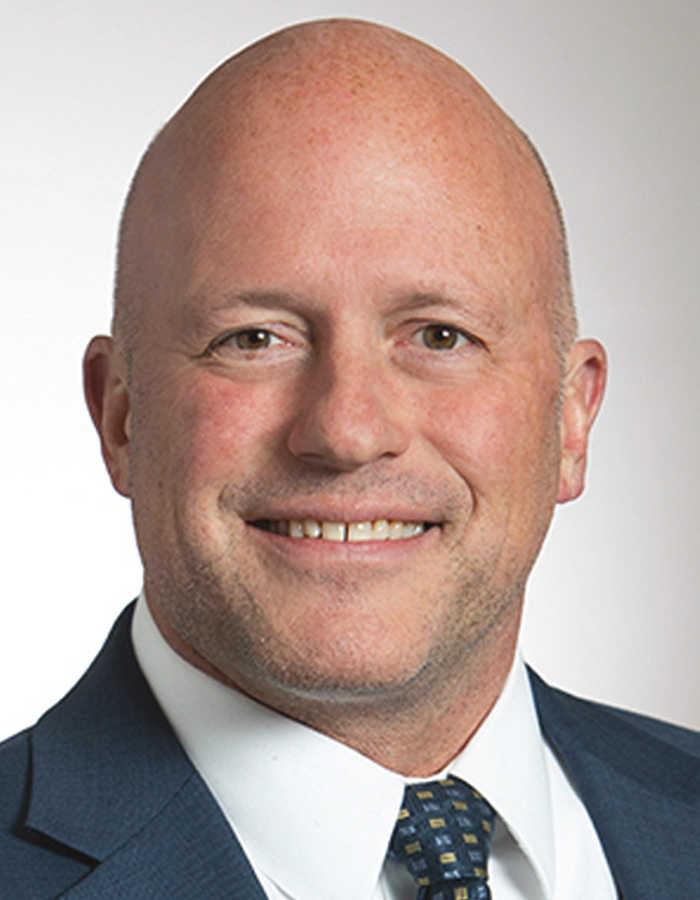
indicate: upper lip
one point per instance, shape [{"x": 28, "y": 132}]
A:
[{"x": 348, "y": 512}]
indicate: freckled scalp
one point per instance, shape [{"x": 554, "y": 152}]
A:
[{"x": 385, "y": 86}]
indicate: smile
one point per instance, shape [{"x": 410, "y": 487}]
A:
[{"x": 378, "y": 530}]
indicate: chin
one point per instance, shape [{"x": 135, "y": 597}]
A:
[{"x": 348, "y": 670}]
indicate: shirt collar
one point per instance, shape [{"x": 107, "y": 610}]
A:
[
  {"x": 505, "y": 760},
  {"x": 263, "y": 768}
]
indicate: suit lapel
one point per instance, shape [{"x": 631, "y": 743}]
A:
[
  {"x": 641, "y": 792},
  {"x": 187, "y": 852},
  {"x": 112, "y": 785}
]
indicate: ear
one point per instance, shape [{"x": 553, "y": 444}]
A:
[
  {"x": 107, "y": 396},
  {"x": 584, "y": 386}
]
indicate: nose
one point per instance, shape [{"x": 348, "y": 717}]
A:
[{"x": 352, "y": 416}]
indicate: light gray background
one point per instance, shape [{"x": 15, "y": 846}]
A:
[{"x": 609, "y": 91}]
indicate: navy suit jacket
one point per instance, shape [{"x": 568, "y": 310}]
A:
[{"x": 99, "y": 802}]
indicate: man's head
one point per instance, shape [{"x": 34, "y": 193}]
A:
[{"x": 342, "y": 299}]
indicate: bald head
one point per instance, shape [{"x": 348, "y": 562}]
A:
[{"x": 326, "y": 100}]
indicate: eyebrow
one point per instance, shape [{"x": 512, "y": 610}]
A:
[
  {"x": 264, "y": 298},
  {"x": 425, "y": 299},
  {"x": 202, "y": 308},
  {"x": 398, "y": 301},
  {"x": 486, "y": 316},
  {"x": 410, "y": 300}
]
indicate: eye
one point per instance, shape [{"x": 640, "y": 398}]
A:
[
  {"x": 253, "y": 339},
  {"x": 443, "y": 337},
  {"x": 246, "y": 341}
]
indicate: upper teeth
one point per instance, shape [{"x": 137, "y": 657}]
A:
[{"x": 378, "y": 530}]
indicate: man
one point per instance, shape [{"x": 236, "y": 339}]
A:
[{"x": 344, "y": 394}]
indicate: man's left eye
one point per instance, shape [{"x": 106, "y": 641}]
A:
[
  {"x": 442, "y": 337},
  {"x": 253, "y": 339}
]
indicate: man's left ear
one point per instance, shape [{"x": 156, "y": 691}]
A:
[{"x": 584, "y": 386}]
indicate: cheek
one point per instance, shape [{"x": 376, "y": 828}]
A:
[
  {"x": 496, "y": 436},
  {"x": 219, "y": 429},
  {"x": 195, "y": 435}
]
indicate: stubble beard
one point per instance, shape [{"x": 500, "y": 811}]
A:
[{"x": 222, "y": 618}]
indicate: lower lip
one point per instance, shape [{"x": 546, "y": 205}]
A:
[{"x": 318, "y": 551}]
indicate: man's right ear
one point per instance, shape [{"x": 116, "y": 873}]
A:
[{"x": 107, "y": 396}]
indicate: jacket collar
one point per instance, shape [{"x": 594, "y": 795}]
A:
[
  {"x": 111, "y": 785},
  {"x": 642, "y": 790}
]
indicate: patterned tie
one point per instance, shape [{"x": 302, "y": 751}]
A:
[{"x": 443, "y": 837}]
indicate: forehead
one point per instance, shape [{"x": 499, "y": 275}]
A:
[
  {"x": 319, "y": 101},
  {"x": 332, "y": 161}
]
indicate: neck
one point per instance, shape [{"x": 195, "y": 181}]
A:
[
  {"x": 416, "y": 731},
  {"x": 419, "y": 738}
]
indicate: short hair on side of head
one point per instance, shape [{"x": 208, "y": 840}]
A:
[
  {"x": 563, "y": 305},
  {"x": 124, "y": 318}
]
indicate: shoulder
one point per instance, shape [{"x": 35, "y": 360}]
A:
[
  {"x": 612, "y": 753},
  {"x": 103, "y": 746},
  {"x": 677, "y": 736},
  {"x": 639, "y": 779},
  {"x": 27, "y": 862},
  {"x": 14, "y": 769},
  {"x": 569, "y": 713},
  {"x": 100, "y": 799}
]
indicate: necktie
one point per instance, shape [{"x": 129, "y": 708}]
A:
[{"x": 443, "y": 836}]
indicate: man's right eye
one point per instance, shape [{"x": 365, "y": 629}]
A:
[{"x": 246, "y": 340}]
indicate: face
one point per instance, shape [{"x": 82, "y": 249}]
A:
[{"x": 341, "y": 431}]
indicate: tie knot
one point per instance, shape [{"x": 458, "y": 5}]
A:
[{"x": 443, "y": 836}]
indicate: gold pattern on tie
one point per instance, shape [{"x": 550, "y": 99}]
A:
[{"x": 442, "y": 836}]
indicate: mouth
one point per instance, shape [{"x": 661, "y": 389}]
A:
[{"x": 349, "y": 532}]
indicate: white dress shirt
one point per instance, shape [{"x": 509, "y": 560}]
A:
[{"x": 315, "y": 817}]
